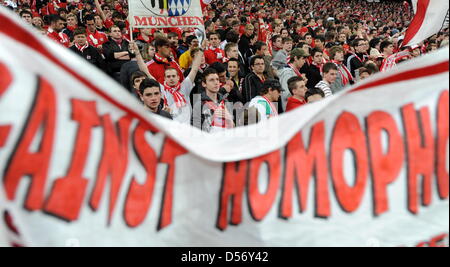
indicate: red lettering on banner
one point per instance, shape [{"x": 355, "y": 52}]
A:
[
  {"x": 233, "y": 186},
  {"x": 167, "y": 21},
  {"x": 300, "y": 165},
  {"x": 9, "y": 222},
  {"x": 439, "y": 241},
  {"x": 171, "y": 21},
  {"x": 68, "y": 192},
  {"x": 4, "y": 133},
  {"x": 5, "y": 78},
  {"x": 162, "y": 21},
  {"x": 171, "y": 151},
  {"x": 184, "y": 21},
  {"x": 139, "y": 197},
  {"x": 5, "y": 82},
  {"x": 442, "y": 145},
  {"x": 385, "y": 167},
  {"x": 260, "y": 204},
  {"x": 348, "y": 134},
  {"x": 420, "y": 149},
  {"x": 199, "y": 20},
  {"x": 140, "y": 21},
  {"x": 23, "y": 162},
  {"x": 113, "y": 163},
  {"x": 152, "y": 21}
]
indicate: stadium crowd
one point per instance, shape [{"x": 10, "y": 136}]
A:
[{"x": 256, "y": 59}]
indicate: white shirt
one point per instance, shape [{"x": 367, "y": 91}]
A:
[{"x": 183, "y": 114}]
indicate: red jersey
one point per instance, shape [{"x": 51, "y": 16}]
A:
[
  {"x": 158, "y": 66},
  {"x": 61, "y": 38},
  {"x": 108, "y": 23},
  {"x": 97, "y": 38},
  {"x": 294, "y": 103},
  {"x": 213, "y": 55}
]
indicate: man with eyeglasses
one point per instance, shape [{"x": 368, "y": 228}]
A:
[
  {"x": 214, "y": 53},
  {"x": 253, "y": 82},
  {"x": 358, "y": 59}
]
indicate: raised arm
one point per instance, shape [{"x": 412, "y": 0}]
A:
[
  {"x": 99, "y": 10},
  {"x": 140, "y": 60},
  {"x": 197, "y": 61}
]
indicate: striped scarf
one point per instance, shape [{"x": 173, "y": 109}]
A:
[
  {"x": 220, "y": 122},
  {"x": 391, "y": 61},
  {"x": 81, "y": 48},
  {"x": 178, "y": 98},
  {"x": 295, "y": 70},
  {"x": 346, "y": 75}
]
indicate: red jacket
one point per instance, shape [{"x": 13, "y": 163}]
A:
[
  {"x": 294, "y": 103},
  {"x": 97, "y": 38},
  {"x": 157, "y": 69},
  {"x": 212, "y": 56},
  {"x": 61, "y": 38}
]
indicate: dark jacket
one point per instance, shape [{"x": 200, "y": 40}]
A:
[
  {"x": 126, "y": 71},
  {"x": 312, "y": 73},
  {"x": 92, "y": 55},
  {"x": 206, "y": 113},
  {"x": 235, "y": 95},
  {"x": 354, "y": 62},
  {"x": 252, "y": 87},
  {"x": 163, "y": 113},
  {"x": 244, "y": 45},
  {"x": 111, "y": 47}
]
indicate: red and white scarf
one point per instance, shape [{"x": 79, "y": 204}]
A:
[
  {"x": 319, "y": 66},
  {"x": 272, "y": 107},
  {"x": 178, "y": 97},
  {"x": 159, "y": 58},
  {"x": 391, "y": 61},
  {"x": 81, "y": 48},
  {"x": 346, "y": 75},
  {"x": 220, "y": 122},
  {"x": 297, "y": 72}
]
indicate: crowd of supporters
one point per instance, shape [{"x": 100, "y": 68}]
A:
[{"x": 255, "y": 60}]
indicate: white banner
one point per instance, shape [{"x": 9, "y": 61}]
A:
[
  {"x": 82, "y": 163},
  {"x": 414, "y": 5},
  {"x": 431, "y": 16},
  {"x": 165, "y": 14}
]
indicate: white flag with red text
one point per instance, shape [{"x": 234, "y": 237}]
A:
[
  {"x": 431, "y": 16},
  {"x": 83, "y": 163},
  {"x": 165, "y": 14}
]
